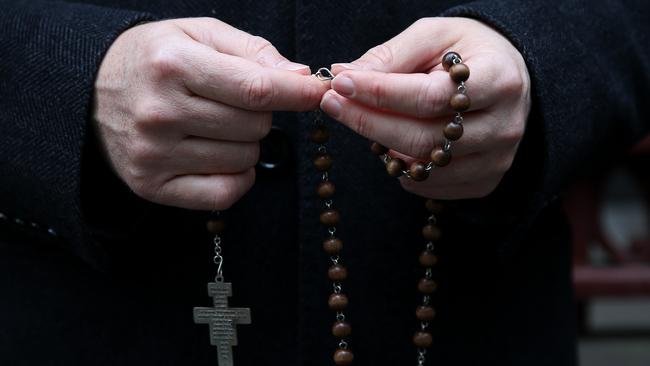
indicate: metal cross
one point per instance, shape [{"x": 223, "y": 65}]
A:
[{"x": 222, "y": 321}]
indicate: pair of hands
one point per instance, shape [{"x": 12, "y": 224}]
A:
[{"x": 181, "y": 105}]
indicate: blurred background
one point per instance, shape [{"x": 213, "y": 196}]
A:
[{"x": 610, "y": 216}]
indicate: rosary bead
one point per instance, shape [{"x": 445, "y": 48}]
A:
[
  {"x": 460, "y": 102},
  {"x": 326, "y": 190},
  {"x": 418, "y": 171},
  {"x": 433, "y": 206},
  {"x": 395, "y": 167},
  {"x": 341, "y": 329},
  {"x": 338, "y": 302},
  {"x": 428, "y": 259},
  {"x": 320, "y": 135},
  {"x": 448, "y": 60},
  {"x": 422, "y": 339},
  {"x": 459, "y": 72},
  {"x": 216, "y": 226},
  {"x": 378, "y": 149},
  {"x": 333, "y": 246},
  {"x": 453, "y": 131},
  {"x": 425, "y": 313},
  {"x": 323, "y": 162},
  {"x": 330, "y": 217},
  {"x": 440, "y": 157},
  {"x": 337, "y": 273},
  {"x": 427, "y": 286},
  {"x": 431, "y": 232},
  {"x": 343, "y": 357}
]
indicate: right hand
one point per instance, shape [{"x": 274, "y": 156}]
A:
[{"x": 180, "y": 107}]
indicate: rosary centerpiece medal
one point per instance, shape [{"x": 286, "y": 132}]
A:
[{"x": 221, "y": 319}]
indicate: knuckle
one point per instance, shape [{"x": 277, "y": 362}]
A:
[
  {"x": 512, "y": 135},
  {"x": 428, "y": 99},
  {"x": 381, "y": 53},
  {"x": 252, "y": 155},
  {"x": 379, "y": 92},
  {"x": 222, "y": 199},
  {"x": 141, "y": 155},
  {"x": 164, "y": 62},
  {"x": 362, "y": 125},
  {"x": 230, "y": 192},
  {"x": 263, "y": 126},
  {"x": 257, "y": 92},
  {"x": 418, "y": 143},
  {"x": 150, "y": 114},
  {"x": 513, "y": 84},
  {"x": 311, "y": 94},
  {"x": 257, "y": 47},
  {"x": 504, "y": 165},
  {"x": 141, "y": 184}
]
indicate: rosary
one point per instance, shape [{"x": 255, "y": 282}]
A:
[{"x": 223, "y": 320}]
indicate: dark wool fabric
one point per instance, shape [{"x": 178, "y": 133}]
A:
[{"x": 117, "y": 283}]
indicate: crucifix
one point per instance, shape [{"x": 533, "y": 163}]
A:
[{"x": 222, "y": 320}]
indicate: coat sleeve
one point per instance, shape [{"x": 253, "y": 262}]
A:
[
  {"x": 50, "y": 52},
  {"x": 589, "y": 63}
]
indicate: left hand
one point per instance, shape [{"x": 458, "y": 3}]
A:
[{"x": 398, "y": 95}]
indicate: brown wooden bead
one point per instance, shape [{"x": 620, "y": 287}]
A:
[
  {"x": 460, "y": 102},
  {"x": 395, "y": 167},
  {"x": 332, "y": 245},
  {"x": 440, "y": 157},
  {"x": 425, "y": 313},
  {"x": 431, "y": 232},
  {"x": 323, "y": 162},
  {"x": 448, "y": 59},
  {"x": 338, "y": 302},
  {"x": 320, "y": 135},
  {"x": 427, "y": 286},
  {"x": 428, "y": 259},
  {"x": 326, "y": 190},
  {"x": 330, "y": 217},
  {"x": 341, "y": 329},
  {"x": 433, "y": 206},
  {"x": 343, "y": 357},
  {"x": 422, "y": 339},
  {"x": 378, "y": 149},
  {"x": 453, "y": 131},
  {"x": 215, "y": 226},
  {"x": 459, "y": 72},
  {"x": 418, "y": 171},
  {"x": 337, "y": 273}
]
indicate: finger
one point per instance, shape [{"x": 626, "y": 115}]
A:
[
  {"x": 471, "y": 176},
  {"x": 409, "y": 135},
  {"x": 195, "y": 155},
  {"x": 232, "y": 41},
  {"x": 218, "y": 121},
  {"x": 205, "y": 192},
  {"x": 462, "y": 170},
  {"x": 245, "y": 84},
  {"x": 417, "y": 48},
  {"x": 418, "y": 95}
]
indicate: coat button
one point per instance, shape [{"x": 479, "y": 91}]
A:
[{"x": 275, "y": 150}]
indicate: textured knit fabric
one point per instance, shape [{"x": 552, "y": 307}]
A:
[{"x": 117, "y": 283}]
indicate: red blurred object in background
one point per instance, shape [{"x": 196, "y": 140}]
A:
[{"x": 627, "y": 269}]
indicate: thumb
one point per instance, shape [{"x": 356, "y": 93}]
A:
[
  {"x": 235, "y": 42},
  {"x": 416, "y": 49}
]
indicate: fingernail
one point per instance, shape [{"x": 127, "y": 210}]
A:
[
  {"x": 347, "y": 66},
  {"x": 331, "y": 106},
  {"x": 343, "y": 85},
  {"x": 291, "y": 66}
]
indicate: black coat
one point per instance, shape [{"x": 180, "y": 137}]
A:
[{"x": 92, "y": 275}]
